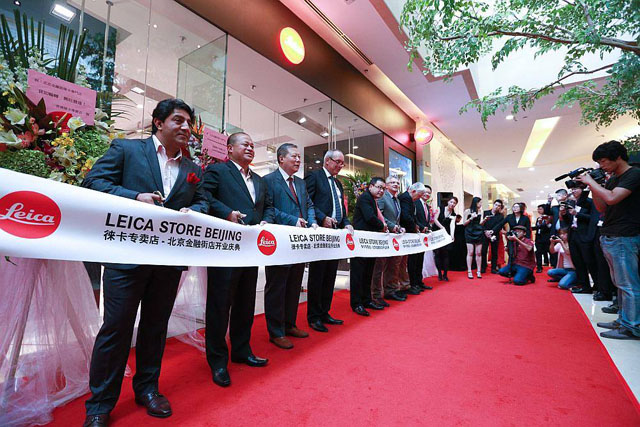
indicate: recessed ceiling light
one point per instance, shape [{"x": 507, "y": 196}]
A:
[
  {"x": 540, "y": 132},
  {"x": 17, "y": 2},
  {"x": 155, "y": 25},
  {"x": 509, "y": 117},
  {"x": 531, "y": 169},
  {"x": 546, "y": 186},
  {"x": 137, "y": 90},
  {"x": 324, "y": 134},
  {"x": 301, "y": 120},
  {"x": 355, "y": 147},
  {"x": 541, "y": 191},
  {"x": 318, "y": 162},
  {"x": 63, "y": 12},
  {"x": 198, "y": 47},
  {"x": 140, "y": 106}
]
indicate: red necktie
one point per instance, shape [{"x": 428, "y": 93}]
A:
[{"x": 295, "y": 196}]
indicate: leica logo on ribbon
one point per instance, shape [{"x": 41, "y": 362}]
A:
[
  {"x": 29, "y": 214},
  {"x": 267, "y": 242},
  {"x": 426, "y": 241},
  {"x": 350, "y": 243},
  {"x": 396, "y": 245}
]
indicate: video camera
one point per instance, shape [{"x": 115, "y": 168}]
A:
[{"x": 597, "y": 175}]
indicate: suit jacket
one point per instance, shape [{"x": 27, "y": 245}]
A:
[
  {"x": 285, "y": 209},
  {"x": 130, "y": 167},
  {"x": 565, "y": 221},
  {"x": 423, "y": 219},
  {"x": 322, "y": 196},
  {"x": 407, "y": 212},
  {"x": 511, "y": 220},
  {"x": 389, "y": 211},
  {"x": 587, "y": 219},
  {"x": 365, "y": 216},
  {"x": 492, "y": 221},
  {"x": 225, "y": 187}
]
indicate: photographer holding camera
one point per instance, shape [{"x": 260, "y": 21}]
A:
[
  {"x": 543, "y": 233},
  {"x": 619, "y": 199},
  {"x": 521, "y": 266},
  {"x": 564, "y": 273}
]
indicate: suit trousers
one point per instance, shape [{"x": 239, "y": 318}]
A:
[
  {"x": 414, "y": 265},
  {"x": 360, "y": 275},
  {"x": 385, "y": 273},
  {"x": 231, "y": 301},
  {"x": 320, "y": 285},
  {"x": 403, "y": 272},
  {"x": 486, "y": 242},
  {"x": 542, "y": 252},
  {"x": 152, "y": 287},
  {"x": 583, "y": 256},
  {"x": 282, "y": 296}
]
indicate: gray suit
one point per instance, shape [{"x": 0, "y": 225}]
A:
[{"x": 385, "y": 271}]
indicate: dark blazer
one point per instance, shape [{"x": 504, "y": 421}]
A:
[
  {"x": 130, "y": 167},
  {"x": 407, "y": 212},
  {"x": 511, "y": 220},
  {"x": 225, "y": 187},
  {"x": 492, "y": 220},
  {"x": 389, "y": 211},
  {"x": 365, "y": 216},
  {"x": 322, "y": 196},
  {"x": 565, "y": 221},
  {"x": 423, "y": 220},
  {"x": 588, "y": 218},
  {"x": 285, "y": 209}
]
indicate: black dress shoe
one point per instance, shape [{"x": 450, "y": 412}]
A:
[
  {"x": 413, "y": 291},
  {"x": 372, "y": 305},
  {"x": 253, "y": 361},
  {"x": 381, "y": 302},
  {"x": 221, "y": 377},
  {"x": 423, "y": 286},
  {"x": 361, "y": 311},
  {"x": 599, "y": 296},
  {"x": 157, "y": 405},
  {"x": 96, "y": 420},
  {"x": 581, "y": 290},
  {"x": 538, "y": 270},
  {"x": 610, "y": 309},
  {"x": 446, "y": 278},
  {"x": 395, "y": 296},
  {"x": 318, "y": 326},
  {"x": 331, "y": 321},
  {"x": 427, "y": 287}
]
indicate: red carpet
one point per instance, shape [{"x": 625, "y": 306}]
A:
[{"x": 470, "y": 352}]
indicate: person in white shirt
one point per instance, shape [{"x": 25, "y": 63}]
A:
[{"x": 565, "y": 273}]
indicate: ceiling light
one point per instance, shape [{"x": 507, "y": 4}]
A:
[
  {"x": 140, "y": 106},
  {"x": 324, "y": 134},
  {"x": 198, "y": 47},
  {"x": 115, "y": 89},
  {"x": 17, "y": 2},
  {"x": 155, "y": 25},
  {"x": 318, "y": 162},
  {"x": 137, "y": 90},
  {"x": 63, "y": 12},
  {"x": 542, "y": 128},
  {"x": 509, "y": 117},
  {"x": 541, "y": 191},
  {"x": 301, "y": 120},
  {"x": 365, "y": 160},
  {"x": 355, "y": 147},
  {"x": 531, "y": 169}
]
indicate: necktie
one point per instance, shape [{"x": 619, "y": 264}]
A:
[
  {"x": 380, "y": 216},
  {"x": 397, "y": 206},
  {"x": 336, "y": 200},
  {"x": 295, "y": 196}
]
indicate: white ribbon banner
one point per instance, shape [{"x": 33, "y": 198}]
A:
[{"x": 40, "y": 218}]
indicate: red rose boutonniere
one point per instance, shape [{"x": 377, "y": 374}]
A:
[{"x": 192, "y": 178}]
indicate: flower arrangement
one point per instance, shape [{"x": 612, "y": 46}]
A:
[
  {"x": 194, "y": 148},
  {"x": 354, "y": 185}
]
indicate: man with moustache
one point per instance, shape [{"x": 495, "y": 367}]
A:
[
  {"x": 291, "y": 206},
  {"x": 153, "y": 171},
  {"x": 236, "y": 194},
  {"x": 409, "y": 222},
  {"x": 326, "y": 192}
]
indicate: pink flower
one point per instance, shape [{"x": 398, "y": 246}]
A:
[{"x": 27, "y": 139}]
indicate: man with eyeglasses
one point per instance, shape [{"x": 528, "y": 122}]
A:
[
  {"x": 385, "y": 272},
  {"x": 326, "y": 193}
]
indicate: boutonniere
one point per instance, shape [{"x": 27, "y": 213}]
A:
[{"x": 192, "y": 178}]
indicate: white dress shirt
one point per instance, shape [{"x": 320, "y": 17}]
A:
[
  {"x": 331, "y": 186},
  {"x": 248, "y": 180},
  {"x": 169, "y": 168}
]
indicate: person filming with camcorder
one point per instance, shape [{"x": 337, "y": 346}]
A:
[{"x": 619, "y": 199}]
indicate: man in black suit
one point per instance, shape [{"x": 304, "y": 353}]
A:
[
  {"x": 326, "y": 193},
  {"x": 236, "y": 194},
  {"x": 368, "y": 217},
  {"x": 493, "y": 218},
  {"x": 291, "y": 206},
  {"x": 581, "y": 239},
  {"x": 423, "y": 219},
  {"x": 409, "y": 222},
  {"x": 154, "y": 171}
]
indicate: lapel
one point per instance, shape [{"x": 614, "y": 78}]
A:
[
  {"x": 284, "y": 184},
  {"x": 297, "y": 183},
  {"x": 181, "y": 179},
  {"x": 152, "y": 158},
  {"x": 235, "y": 173}
]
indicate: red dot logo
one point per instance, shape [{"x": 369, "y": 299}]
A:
[
  {"x": 29, "y": 214},
  {"x": 350, "y": 243},
  {"x": 267, "y": 242},
  {"x": 396, "y": 245},
  {"x": 426, "y": 241}
]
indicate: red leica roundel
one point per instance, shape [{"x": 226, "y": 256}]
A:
[
  {"x": 350, "y": 243},
  {"x": 29, "y": 214},
  {"x": 267, "y": 242},
  {"x": 426, "y": 241},
  {"x": 396, "y": 245}
]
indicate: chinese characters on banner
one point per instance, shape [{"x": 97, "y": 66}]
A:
[
  {"x": 215, "y": 143},
  {"x": 60, "y": 95}
]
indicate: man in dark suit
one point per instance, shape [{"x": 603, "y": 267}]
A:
[
  {"x": 409, "y": 222},
  {"x": 493, "y": 218},
  {"x": 423, "y": 219},
  {"x": 152, "y": 171},
  {"x": 236, "y": 194},
  {"x": 368, "y": 217},
  {"x": 581, "y": 239},
  {"x": 291, "y": 206},
  {"x": 326, "y": 194}
]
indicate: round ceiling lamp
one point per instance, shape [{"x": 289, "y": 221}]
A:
[
  {"x": 423, "y": 135},
  {"x": 292, "y": 45}
]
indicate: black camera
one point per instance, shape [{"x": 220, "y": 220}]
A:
[
  {"x": 597, "y": 175},
  {"x": 568, "y": 204},
  {"x": 554, "y": 237},
  {"x": 511, "y": 233}
]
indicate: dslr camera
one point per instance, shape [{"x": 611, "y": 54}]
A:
[
  {"x": 511, "y": 233},
  {"x": 597, "y": 175}
]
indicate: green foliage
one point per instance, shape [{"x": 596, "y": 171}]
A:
[
  {"x": 457, "y": 33},
  {"x": 354, "y": 185},
  {"x": 31, "y": 162},
  {"x": 92, "y": 142},
  {"x": 632, "y": 145}
]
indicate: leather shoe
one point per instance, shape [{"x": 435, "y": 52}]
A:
[
  {"x": 253, "y": 361},
  {"x": 157, "y": 405},
  {"x": 620, "y": 334},
  {"x": 373, "y": 306},
  {"x": 221, "y": 377},
  {"x": 331, "y": 321},
  {"x": 281, "y": 342},
  {"x": 610, "y": 309},
  {"x": 599, "y": 296},
  {"x": 318, "y": 326},
  {"x": 609, "y": 325},
  {"x": 494, "y": 271},
  {"x": 412, "y": 291},
  {"x": 295, "y": 332},
  {"x": 538, "y": 270},
  {"x": 394, "y": 296},
  {"x": 427, "y": 287},
  {"x": 360, "y": 310},
  {"x": 96, "y": 420},
  {"x": 581, "y": 290},
  {"x": 381, "y": 302},
  {"x": 423, "y": 286}
]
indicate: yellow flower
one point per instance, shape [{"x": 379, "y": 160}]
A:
[
  {"x": 12, "y": 101},
  {"x": 5, "y": 93}
]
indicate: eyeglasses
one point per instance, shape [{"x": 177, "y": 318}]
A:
[
  {"x": 337, "y": 162},
  {"x": 379, "y": 187}
]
